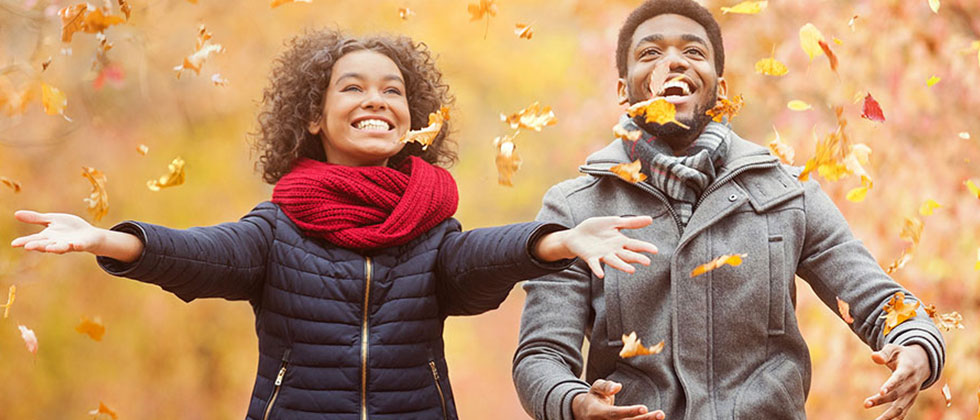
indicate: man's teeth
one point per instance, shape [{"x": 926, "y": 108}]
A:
[
  {"x": 677, "y": 84},
  {"x": 372, "y": 125}
]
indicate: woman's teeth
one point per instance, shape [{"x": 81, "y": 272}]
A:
[{"x": 372, "y": 125}]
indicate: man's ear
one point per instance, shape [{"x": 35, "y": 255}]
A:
[
  {"x": 621, "y": 92},
  {"x": 314, "y": 127},
  {"x": 722, "y": 88}
]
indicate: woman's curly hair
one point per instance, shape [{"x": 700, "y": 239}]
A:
[{"x": 298, "y": 83}]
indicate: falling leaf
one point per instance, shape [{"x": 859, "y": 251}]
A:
[
  {"x": 404, "y": 13},
  {"x": 629, "y": 172},
  {"x": 45, "y": 64},
  {"x": 836, "y": 158},
  {"x": 98, "y": 201},
  {"x": 142, "y": 149},
  {"x": 903, "y": 259},
  {"x": 174, "y": 178},
  {"x": 830, "y": 54},
  {"x": 534, "y": 117},
  {"x": 934, "y": 5},
  {"x": 103, "y": 413},
  {"x": 485, "y": 8},
  {"x": 838, "y": 41},
  {"x": 964, "y": 135},
  {"x": 14, "y": 185},
  {"x": 508, "y": 161},
  {"x": 276, "y": 3},
  {"x": 932, "y": 81},
  {"x": 746, "y": 7},
  {"x": 84, "y": 17},
  {"x": 428, "y": 134},
  {"x": 657, "y": 110},
  {"x": 218, "y": 80},
  {"x": 872, "y": 110},
  {"x": 771, "y": 66},
  {"x": 53, "y": 100},
  {"x": 976, "y": 266},
  {"x": 810, "y": 38},
  {"x": 783, "y": 151},
  {"x": 91, "y": 327},
  {"x": 633, "y": 347},
  {"x": 725, "y": 108},
  {"x": 626, "y": 135},
  {"x": 112, "y": 73},
  {"x": 845, "y": 311},
  {"x": 798, "y": 105},
  {"x": 201, "y": 53},
  {"x": 857, "y": 194},
  {"x": 897, "y": 311},
  {"x": 947, "y": 396},
  {"x": 912, "y": 230},
  {"x": 851, "y": 22},
  {"x": 946, "y": 322},
  {"x": 974, "y": 190},
  {"x": 733, "y": 260},
  {"x": 523, "y": 31},
  {"x": 11, "y": 294},
  {"x": 29, "y": 338},
  {"x": 125, "y": 8},
  {"x": 927, "y": 208}
]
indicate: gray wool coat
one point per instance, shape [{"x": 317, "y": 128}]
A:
[{"x": 733, "y": 344}]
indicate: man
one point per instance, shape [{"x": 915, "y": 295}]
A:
[{"x": 733, "y": 348}]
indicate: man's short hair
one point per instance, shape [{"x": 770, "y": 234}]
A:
[{"x": 654, "y": 8}]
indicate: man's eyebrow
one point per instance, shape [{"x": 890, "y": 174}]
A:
[{"x": 685, "y": 37}]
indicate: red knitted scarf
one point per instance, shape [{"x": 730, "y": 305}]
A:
[{"x": 366, "y": 207}]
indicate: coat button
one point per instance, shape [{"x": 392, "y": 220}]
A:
[{"x": 732, "y": 197}]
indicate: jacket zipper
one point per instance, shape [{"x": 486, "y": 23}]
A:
[
  {"x": 364, "y": 336},
  {"x": 442, "y": 397},
  {"x": 278, "y": 385},
  {"x": 648, "y": 188}
]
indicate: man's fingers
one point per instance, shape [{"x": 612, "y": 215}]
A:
[
  {"x": 879, "y": 399},
  {"x": 632, "y": 257},
  {"x": 898, "y": 410},
  {"x": 28, "y": 216},
  {"x": 629, "y": 412},
  {"x": 655, "y": 415},
  {"x": 596, "y": 267},
  {"x": 886, "y": 356},
  {"x": 633, "y": 222},
  {"x": 640, "y": 246},
  {"x": 898, "y": 378},
  {"x": 606, "y": 388}
]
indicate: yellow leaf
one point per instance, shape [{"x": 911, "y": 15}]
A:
[
  {"x": 103, "y": 413},
  {"x": 91, "y": 327},
  {"x": 845, "y": 311},
  {"x": 725, "y": 108},
  {"x": 770, "y": 67},
  {"x": 142, "y": 149},
  {"x": 633, "y": 347},
  {"x": 534, "y": 117},
  {"x": 783, "y": 151},
  {"x": 11, "y": 294},
  {"x": 404, "y": 13},
  {"x": 838, "y": 41},
  {"x": 657, "y": 110},
  {"x": 934, "y": 5},
  {"x": 912, "y": 230},
  {"x": 746, "y": 7},
  {"x": 976, "y": 266},
  {"x": 629, "y": 172},
  {"x": 974, "y": 190},
  {"x": 932, "y": 81},
  {"x": 426, "y": 135},
  {"x": 174, "y": 178},
  {"x": 897, "y": 311},
  {"x": 483, "y": 8},
  {"x": 858, "y": 194},
  {"x": 810, "y": 38},
  {"x": 507, "y": 160},
  {"x": 523, "y": 31},
  {"x": 14, "y": 185},
  {"x": 927, "y": 208},
  {"x": 798, "y": 105},
  {"x": 98, "y": 200},
  {"x": 903, "y": 259},
  {"x": 53, "y": 100},
  {"x": 733, "y": 260},
  {"x": 622, "y": 133},
  {"x": 946, "y": 322},
  {"x": 276, "y": 3}
]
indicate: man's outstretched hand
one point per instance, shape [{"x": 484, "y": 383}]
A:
[
  {"x": 598, "y": 404},
  {"x": 910, "y": 368}
]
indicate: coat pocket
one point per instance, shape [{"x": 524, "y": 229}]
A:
[
  {"x": 637, "y": 387},
  {"x": 277, "y": 385},
  {"x": 777, "y": 285},
  {"x": 442, "y": 395},
  {"x": 773, "y": 392}
]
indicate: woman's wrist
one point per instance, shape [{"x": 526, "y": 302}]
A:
[{"x": 552, "y": 247}]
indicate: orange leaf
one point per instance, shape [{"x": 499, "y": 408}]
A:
[
  {"x": 142, "y": 149},
  {"x": 912, "y": 230},
  {"x": 404, "y": 13},
  {"x": 103, "y": 413},
  {"x": 508, "y": 161},
  {"x": 30, "y": 339},
  {"x": 523, "y": 31},
  {"x": 845, "y": 311},
  {"x": 174, "y": 178},
  {"x": 534, "y": 117},
  {"x": 276, "y": 3},
  {"x": 725, "y": 108},
  {"x": 14, "y": 185},
  {"x": 629, "y": 172},
  {"x": 201, "y": 53},
  {"x": 11, "y": 294},
  {"x": 901, "y": 261},
  {"x": 946, "y": 322},
  {"x": 84, "y": 17},
  {"x": 98, "y": 201},
  {"x": 626, "y": 135},
  {"x": 746, "y": 8},
  {"x": 483, "y": 8},
  {"x": 897, "y": 311},
  {"x": 93, "y": 328},
  {"x": 633, "y": 347},
  {"x": 733, "y": 260},
  {"x": 53, "y": 100},
  {"x": 657, "y": 110},
  {"x": 830, "y": 54},
  {"x": 783, "y": 151},
  {"x": 425, "y": 136}
]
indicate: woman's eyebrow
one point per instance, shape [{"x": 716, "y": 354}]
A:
[{"x": 359, "y": 76}]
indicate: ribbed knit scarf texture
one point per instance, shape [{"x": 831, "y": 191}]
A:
[
  {"x": 366, "y": 208},
  {"x": 681, "y": 178}
]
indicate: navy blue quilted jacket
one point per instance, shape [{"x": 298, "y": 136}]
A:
[{"x": 342, "y": 334}]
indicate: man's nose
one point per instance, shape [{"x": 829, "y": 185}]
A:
[{"x": 675, "y": 59}]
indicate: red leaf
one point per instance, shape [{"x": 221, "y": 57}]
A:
[{"x": 872, "y": 110}]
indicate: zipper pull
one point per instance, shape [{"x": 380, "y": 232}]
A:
[
  {"x": 435, "y": 372},
  {"x": 282, "y": 372}
]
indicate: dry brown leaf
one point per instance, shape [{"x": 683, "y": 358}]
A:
[
  {"x": 534, "y": 117},
  {"x": 656, "y": 110},
  {"x": 14, "y": 185},
  {"x": 733, "y": 260},
  {"x": 172, "y": 179},
  {"x": 142, "y": 149},
  {"x": 201, "y": 53},
  {"x": 425, "y": 136},
  {"x": 103, "y": 413},
  {"x": 947, "y": 396},
  {"x": 725, "y": 108},
  {"x": 404, "y": 13},
  {"x": 946, "y": 322},
  {"x": 91, "y": 327},
  {"x": 845, "y": 311},
  {"x": 98, "y": 201},
  {"x": 508, "y": 161},
  {"x": 897, "y": 311},
  {"x": 629, "y": 172},
  {"x": 11, "y": 294},
  {"x": 523, "y": 31},
  {"x": 783, "y": 151},
  {"x": 633, "y": 347},
  {"x": 626, "y": 135},
  {"x": 903, "y": 259}
]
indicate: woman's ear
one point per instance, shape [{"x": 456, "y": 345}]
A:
[
  {"x": 314, "y": 127},
  {"x": 722, "y": 88}
]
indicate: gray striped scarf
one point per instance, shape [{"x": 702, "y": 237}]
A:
[{"x": 681, "y": 178}]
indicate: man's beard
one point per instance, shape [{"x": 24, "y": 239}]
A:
[{"x": 677, "y": 137}]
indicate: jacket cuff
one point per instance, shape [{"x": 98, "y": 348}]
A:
[
  {"x": 538, "y": 233},
  {"x": 933, "y": 345},
  {"x": 119, "y": 268},
  {"x": 558, "y": 403}
]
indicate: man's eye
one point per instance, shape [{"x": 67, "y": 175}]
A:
[
  {"x": 695, "y": 51},
  {"x": 649, "y": 52}
]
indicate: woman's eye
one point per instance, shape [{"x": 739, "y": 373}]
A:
[
  {"x": 351, "y": 88},
  {"x": 393, "y": 91}
]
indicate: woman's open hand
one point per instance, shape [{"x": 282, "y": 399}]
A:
[
  {"x": 598, "y": 240},
  {"x": 62, "y": 233}
]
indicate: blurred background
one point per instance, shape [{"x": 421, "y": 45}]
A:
[{"x": 163, "y": 359}]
